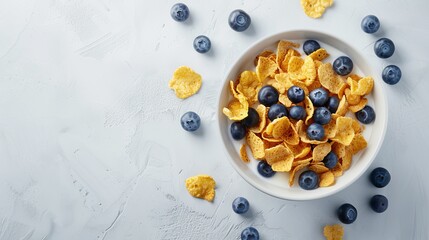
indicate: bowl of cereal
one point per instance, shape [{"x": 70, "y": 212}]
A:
[{"x": 301, "y": 116}]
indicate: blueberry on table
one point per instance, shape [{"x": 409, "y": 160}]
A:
[
  {"x": 315, "y": 131},
  {"x": 277, "y": 110},
  {"x": 366, "y": 115},
  {"x": 347, "y": 213},
  {"x": 322, "y": 116},
  {"x": 190, "y": 121},
  {"x": 295, "y": 94},
  {"x": 179, "y": 12},
  {"x": 252, "y": 118},
  {"x": 308, "y": 180},
  {"x": 239, "y": 20},
  {"x": 310, "y": 46},
  {"x": 250, "y": 233},
  {"x": 240, "y": 205},
  {"x": 380, "y": 177},
  {"x": 265, "y": 169},
  {"x": 333, "y": 104},
  {"x": 384, "y": 48},
  {"x": 330, "y": 160},
  {"x": 202, "y": 44},
  {"x": 391, "y": 74},
  {"x": 268, "y": 95},
  {"x": 297, "y": 113},
  {"x": 379, "y": 203},
  {"x": 319, "y": 97},
  {"x": 238, "y": 131},
  {"x": 370, "y": 24},
  {"x": 343, "y": 65}
]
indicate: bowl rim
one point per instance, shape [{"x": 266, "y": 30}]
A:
[{"x": 381, "y": 111}]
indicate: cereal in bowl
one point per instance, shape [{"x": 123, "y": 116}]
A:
[{"x": 306, "y": 118}]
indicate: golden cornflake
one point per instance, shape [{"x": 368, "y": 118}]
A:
[
  {"x": 333, "y": 232},
  {"x": 185, "y": 82},
  {"x": 201, "y": 186}
]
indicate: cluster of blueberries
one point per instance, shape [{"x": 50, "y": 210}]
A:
[
  {"x": 379, "y": 177},
  {"x": 383, "y": 48},
  {"x": 238, "y": 20}
]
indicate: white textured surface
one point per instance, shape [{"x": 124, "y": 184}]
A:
[{"x": 90, "y": 141}]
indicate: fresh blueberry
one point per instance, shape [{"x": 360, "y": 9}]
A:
[
  {"x": 265, "y": 169},
  {"x": 295, "y": 94},
  {"x": 310, "y": 46},
  {"x": 330, "y": 160},
  {"x": 238, "y": 131},
  {"x": 308, "y": 180},
  {"x": 315, "y": 131},
  {"x": 384, "y": 48},
  {"x": 240, "y": 205},
  {"x": 297, "y": 113},
  {"x": 391, "y": 74},
  {"x": 239, "y": 20},
  {"x": 252, "y": 118},
  {"x": 370, "y": 24},
  {"x": 380, "y": 177},
  {"x": 179, "y": 12},
  {"x": 319, "y": 97},
  {"x": 333, "y": 104},
  {"x": 268, "y": 95},
  {"x": 366, "y": 115},
  {"x": 190, "y": 121},
  {"x": 250, "y": 233},
  {"x": 343, "y": 65},
  {"x": 379, "y": 203},
  {"x": 347, "y": 213},
  {"x": 322, "y": 115},
  {"x": 202, "y": 44},
  {"x": 277, "y": 110}
]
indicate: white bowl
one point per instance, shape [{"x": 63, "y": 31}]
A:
[{"x": 278, "y": 186}]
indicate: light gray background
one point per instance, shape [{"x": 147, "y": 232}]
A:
[{"x": 90, "y": 141}]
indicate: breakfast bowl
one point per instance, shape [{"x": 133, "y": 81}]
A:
[{"x": 278, "y": 185}]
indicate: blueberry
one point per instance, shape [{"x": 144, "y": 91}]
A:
[
  {"x": 239, "y": 20},
  {"x": 343, "y": 65},
  {"x": 347, "y": 213},
  {"x": 330, "y": 160},
  {"x": 379, "y": 203},
  {"x": 252, "y": 118},
  {"x": 179, "y": 12},
  {"x": 310, "y": 46},
  {"x": 366, "y": 115},
  {"x": 277, "y": 110},
  {"x": 190, "y": 121},
  {"x": 238, "y": 131},
  {"x": 295, "y": 94},
  {"x": 202, "y": 44},
  {"x": 268, "y": 95},
  {"x": 384, "y": 48},
  {"x": 250, "y": 233},
  {"x": 265, "y": 169},
  {"x": 240, "y": 205},
  {"x": 319, "y": 97},
  {"x": 322, "y": 115},
  {"x": 315, "y": 131},
  {"x": 297, "y": 113},
  {"x": 333, "y": 104},
  {"x": 370, "y": 24},
  {"x": 380, "y": 177},
  {"x": 391, "y": 74},
  {"x": 308, "y": 180}
]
